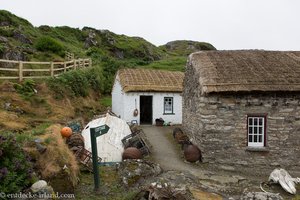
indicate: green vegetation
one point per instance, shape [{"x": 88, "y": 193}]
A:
[
  {"x": 26, "y": 89},
  {"x": 77, "y": 83},
  {"x": 48, "y": 44},
  {"x": 109, "y": 52},
  {"x": 15, "y": 167},
  {"x": 106, "y": 101},
  {"x": 110, "y": 187},
  {"x": 39, "y": 130},
  {"x": 174, "y": 63}
]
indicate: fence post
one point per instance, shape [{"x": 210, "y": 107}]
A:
[
  {"x": 20, "y": 70},
  {"x": 75, "y": 65},
  {"x": 51, "y": 69},
  {"x": 90, "y": 62},
  {"x": 65, "y": 66}
]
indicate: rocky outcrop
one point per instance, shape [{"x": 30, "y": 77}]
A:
[
  {"x": 90, "y": 41},
  {"x": 21, "y": 37}
]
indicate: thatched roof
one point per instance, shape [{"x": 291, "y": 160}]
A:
[
  {"x": 147, "y": 80},
  {"x": 247, "y": 70}
]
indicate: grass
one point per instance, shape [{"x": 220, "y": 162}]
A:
[
  {"x": 110, "y": 187},
  {"x": 174, "y": 63},
  {"x": 106, "y": 101}
]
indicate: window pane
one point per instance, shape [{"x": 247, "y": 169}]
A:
[
  {"x": 260, "y": 138},
  {"x": 255, "y": 121},
  {"x": 250, "y": 129},
  {"x": 255, "y": 138},
  {"x": 260, "y": 130},
  {"x": 255, "y": 130},
  {"x": 260, "y": 121},
  {"x": 250, "y": 138},
  {"x": 250, "y": 120},
  {"x": 168, "y": 105}
]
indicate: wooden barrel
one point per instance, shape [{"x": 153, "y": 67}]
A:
[
  {"x": 192, "y": 153},
  {"x": 132, "y": 153}
]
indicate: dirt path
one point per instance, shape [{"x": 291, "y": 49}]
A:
[{"x": 165, "y": 153}]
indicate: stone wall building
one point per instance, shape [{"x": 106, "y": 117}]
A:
[{"x": 243, "y": 107}]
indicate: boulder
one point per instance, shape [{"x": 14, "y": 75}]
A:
[
  {"x": 38, "y": 186},
  {"x": 136, "y": 172},
  {"x": 260, "y": 196}
]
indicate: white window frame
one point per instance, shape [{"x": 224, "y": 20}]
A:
[
  {"x": 256, "y": 131},
  {"x": 166, "y": 110}
]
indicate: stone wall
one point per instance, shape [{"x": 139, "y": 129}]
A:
[{"x": 217, "y": 123}]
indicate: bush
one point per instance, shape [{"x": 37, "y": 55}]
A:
[
  {"x": 49, "y": 44},
  {"x": 77, "y": 83},
  {"x": 26, "y": 89},
  {"x": 15, "y": 166}
]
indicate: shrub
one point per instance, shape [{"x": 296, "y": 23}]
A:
[
  {"x": 15, "y": 166},
  {"x": 77, "y": 83},
  {"x": 49, "y": 44},
  {"x": 26, "y": 89}
]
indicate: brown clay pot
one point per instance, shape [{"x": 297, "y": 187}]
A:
[
  {"x": 180, "y": 136},
  {"x": 192, "y": 153},
  {"x": 132, "y": 153}
]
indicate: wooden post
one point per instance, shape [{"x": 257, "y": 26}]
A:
[
  {"x": 90, "y": 64},
  {"x": 74, "y": 65},
  {"x": 65, "y": 66},
  {"x": 51, "y": 69},
  {"x": 20, "y": 70}
]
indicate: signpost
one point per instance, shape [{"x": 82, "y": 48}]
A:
[{"x": 96, "y": 132}]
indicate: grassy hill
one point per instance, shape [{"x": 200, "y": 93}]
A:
[{"x": 20, "y": 40}]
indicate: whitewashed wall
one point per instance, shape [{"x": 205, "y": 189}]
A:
[
  {"x": 158, "y": 106},
  {"x": 117, "y": 98},
  {"x": 124, "y": 104}
]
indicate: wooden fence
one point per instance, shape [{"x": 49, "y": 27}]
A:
[{"x": 37, "y": 70}]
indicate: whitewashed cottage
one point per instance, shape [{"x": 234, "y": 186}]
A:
[{"x": 142, "y": 95}]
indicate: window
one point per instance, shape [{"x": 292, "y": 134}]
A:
[
  {"x": 256, "y": 131},
  {"x": 168, "y": 105}
]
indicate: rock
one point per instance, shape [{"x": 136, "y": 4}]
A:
[
  {"x": 14, "y": 54},
  {"x": 90, "y": 40},
  {"x": 135, "y": 172},
  {"x": 7, "y": 106},
  {"x": 165, "y": 191},
  {"x": 21, "y": 37},
  {"x": 3, "y": 39},
  {"x": 200, "y": 194},
  {"x": 38, "y": 186},
  {"x": 260, "y": 196}
]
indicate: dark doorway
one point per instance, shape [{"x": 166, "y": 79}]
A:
[{"x": 146, "y": 109}]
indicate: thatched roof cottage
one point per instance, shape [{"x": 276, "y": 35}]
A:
[
  {"x": 144, "y": 95},
  {"x": 243, "y": 107}
]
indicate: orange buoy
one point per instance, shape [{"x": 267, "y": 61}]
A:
[{"x": 66, "y": 132}]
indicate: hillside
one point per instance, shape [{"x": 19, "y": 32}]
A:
[{"x": 20, "y": 40}]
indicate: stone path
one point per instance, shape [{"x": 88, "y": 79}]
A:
[{"x": 165, "y": 153}]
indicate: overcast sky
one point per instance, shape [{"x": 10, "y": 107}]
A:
[{"x": 227, "y": 24}]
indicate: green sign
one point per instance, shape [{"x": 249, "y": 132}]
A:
[{"x": 96, "y": 132}]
